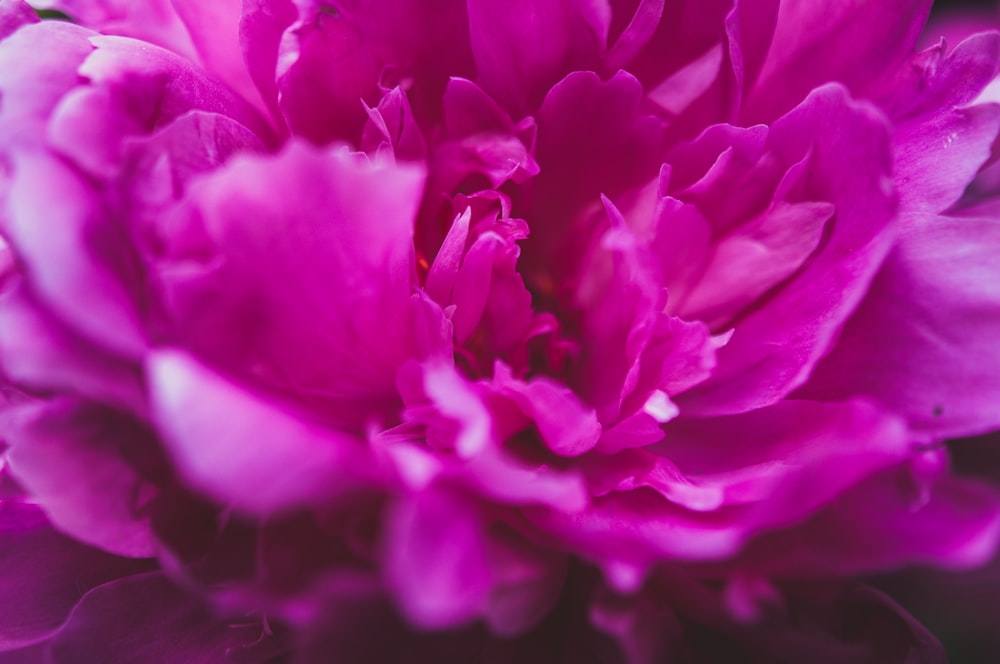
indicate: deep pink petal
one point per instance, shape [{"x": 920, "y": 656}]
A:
[
  {"x": 44, "y": 574},
  {"x": 523, "y": 48},
  {"x": 13, "y": 15},
  {"x": 391, "y": 126},
  {"x": 136, "y": 89},
  {"x": 259, "y": 458},
  {"x": 878, "y": 526},
  {"x": 338, "y": 344},
  {"x": 937, "y": 80},
  {"x": 788, "y": 460},
  {"x": 33, "y": 81},
  {"x": 437, "y": 559},
  {"x": 930, "y": 357},
  {"x": 758, "y": 256},
  {"x": 262, "y": 24},
  {"x": 214, "y": 30},
  {"x": 39, "y": 352},
  {"x": 567, "y": 426},
  {"x": 157, "y": 169},
  {"x": 153, "y": 21},
  {"x": 867, "y": 38},
  {"x": 58, "y": 239},
  {"x": 70, "y": 457},
  {"x": 145, "y": 618},
  {"x": 774, "y": 348}
]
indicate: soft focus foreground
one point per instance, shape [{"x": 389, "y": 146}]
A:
[{"x": 534, "y": 331}]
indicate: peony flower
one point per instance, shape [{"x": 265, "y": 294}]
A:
[{"x": 528, "y": 331}]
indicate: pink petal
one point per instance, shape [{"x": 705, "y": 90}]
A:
[
  {"x": 876, "y": 526},
  {"x": 214, "y": 30},
  {"x": 145, "y": 618},
  {"x": 44, "y": 574},
  {"x": 259, "y": 458},
  {"x": 867, "y": 38},
  {"x": 338, "y": 344},
  {"x": 437, "y": 559},
  {"x": 923, "y": 341},
  {"x": 523, "y": 48},
  {"x": 13, "y": 15},
  {"x": 38, "y": 351},
  {"x": 774, "y": 347},
  {"x": 32, "y": 82},
  {"x": 69, "y": 457},
  {"x": 566, "y": 426},
  {"x": 55, "y": 237}
]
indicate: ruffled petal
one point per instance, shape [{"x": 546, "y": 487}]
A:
[
  {"x": 880, "y": 525},
  {"x": 338, "y": 344},
  {"x": 774, "y": 347}
]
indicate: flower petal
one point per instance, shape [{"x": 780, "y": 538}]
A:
[
  {"x": 145, "y": 618},
  {"x": 258, "y": 458},
  {"x": 775, "y": 346},
  {"x": 44, "y": 574},
  {"x": 866, "y": 38},
  {"x": 70, "y": 456},
  {"x": 436, "y": 560},
  {"x": 523, "y": 47},
  {"x": 338, "y": 344},
  {"x": 930, "y": 357}
]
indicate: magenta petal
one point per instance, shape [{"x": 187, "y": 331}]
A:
[
  {"x": 392, "y": 127},
  {"x": 523, "y": 47},
  {"x": 319, "y": 101},
  {"x": 135, "y": 89},
  {"x": 43, "y": 574},
  {"x": 13, "y": 15},
  {"x": 935, "y": 178},
  {"x": 153, "y": 21},
  {"x": 33, "y": 81},
  {"x": 54, "y": 236},
  {"x": 259, "y": 458},
  {"x": 567, "y": 426},
  {"x": 939, "y": 82},
  {"x": 262, "y": 24},
  {"x": 635, "y": 35},
  {"x": 144, "y": 618},
  {"x": 338, "y": 344},
  {"x": 939, "y": 373},
  {"x": 437, "y": 559},
  {"x": 69, "y": 457},
  {"x": 774, "y": 348},
  {"x": 867, "y": 38},
  {"x": 157, "y": 169},
  {"x": 877, "y": 526},
  {"x": 527, "y": 583},
  {"x": 214, "y": 30},
  {"x": 788, "y": 460},
  {"x": 38, "y": 351},
  {"x": 754, "y": 258}
]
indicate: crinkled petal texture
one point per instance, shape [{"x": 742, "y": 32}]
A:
[{"x": 437, "y": 331}]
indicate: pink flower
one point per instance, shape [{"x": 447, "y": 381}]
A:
[{"x": 593, "y": 330}]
